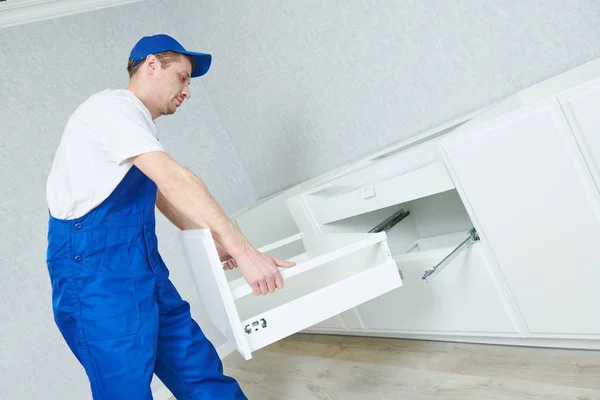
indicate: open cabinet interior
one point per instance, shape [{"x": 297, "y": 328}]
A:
[
  {"x": 431, "y": 237},
  {"x": 428, "y": 223}
]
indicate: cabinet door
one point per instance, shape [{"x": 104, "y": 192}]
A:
[
  {"x": 582, "y": 108},
  {"x": 535, "y": 205}
]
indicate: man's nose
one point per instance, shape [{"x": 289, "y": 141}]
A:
[{"x": 186, "y": 92}]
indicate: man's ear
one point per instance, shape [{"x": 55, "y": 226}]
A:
[{"x": 151, "y": 64}]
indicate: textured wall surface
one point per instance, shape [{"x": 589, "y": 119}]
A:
[
  {"x": 305, "y": 86},
  {"x": 48, "y": 68}
]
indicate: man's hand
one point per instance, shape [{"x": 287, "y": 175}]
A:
[
  {"x": 261, "y": 271},
  {"x": 224, "y": 256},
  {"x": 230, "y": 264}
]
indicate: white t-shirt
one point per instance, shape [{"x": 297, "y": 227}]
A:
[{"x": 91, "y": 160}]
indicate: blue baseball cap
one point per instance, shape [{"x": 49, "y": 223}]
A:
[{"x": 159, "y": 43}]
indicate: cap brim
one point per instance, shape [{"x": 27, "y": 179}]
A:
[{"x": 202, "y": 63}]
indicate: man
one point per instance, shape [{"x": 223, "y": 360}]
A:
[{"x": 113, "y": 301}]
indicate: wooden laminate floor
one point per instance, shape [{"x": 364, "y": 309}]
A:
[{"x": 305, "y": 367}]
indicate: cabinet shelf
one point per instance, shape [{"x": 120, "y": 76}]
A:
[{"x": 342, "y": 201}]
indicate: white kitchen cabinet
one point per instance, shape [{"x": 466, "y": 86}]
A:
[
  {"x": 582, "y": 108},
  {"x": 530, "y": 279},
  {"x": 333, "y": 274},
  {"x": 535, "y": 205},
  {"x": 463, "y": 298}
]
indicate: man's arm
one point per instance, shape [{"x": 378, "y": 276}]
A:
[
  {"x": 179, "y": 220},
  {"x": 192, "y": 201},
  {"x": 171, "y": 213}
]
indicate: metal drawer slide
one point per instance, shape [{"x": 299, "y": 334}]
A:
[{"x": 468, "y": 242}]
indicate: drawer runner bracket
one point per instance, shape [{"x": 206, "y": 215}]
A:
[
  {"x": 255, "y": 326},
  {"x": 468, "y": 242},
  {"x": 391, "y": 221}
]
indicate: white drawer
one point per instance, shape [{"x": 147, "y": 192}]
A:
[{"x": 335, "y": 273}]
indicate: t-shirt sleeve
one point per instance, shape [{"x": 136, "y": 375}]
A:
[{"x": 123, "y": 130}]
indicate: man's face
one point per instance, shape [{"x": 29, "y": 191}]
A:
[{"x": 171, "y": 84}]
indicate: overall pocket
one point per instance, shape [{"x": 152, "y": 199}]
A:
[{"x": 108, "y": 267}]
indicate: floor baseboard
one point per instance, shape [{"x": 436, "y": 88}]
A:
[{"x": 162, "y": 393}]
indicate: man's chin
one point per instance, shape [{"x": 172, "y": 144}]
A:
[{"x": 170, "y": 111}]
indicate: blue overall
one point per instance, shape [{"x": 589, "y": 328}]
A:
[{"x": 117, "y": 309}]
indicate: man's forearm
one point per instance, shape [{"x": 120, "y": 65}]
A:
[
  {"x": 171, "y": 213},
  {"x": 192, "y": 206},
  {"x": 183, "y": 223}
]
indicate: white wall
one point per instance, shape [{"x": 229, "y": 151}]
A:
[
  {"x": 48, "y": 68},
  {"x": 306, "y": 86}
]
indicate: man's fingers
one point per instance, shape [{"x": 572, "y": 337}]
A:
[
  {"x": 267, "y": 279},
  {"x": 278, "y": 280},
  {"x": 271, "y": 285},
  {"x": 256, "y": 289},
  {"x": 230, "y": 264},
  {"x": 263, "y": 287},
  {"x": 284, "y": 263}
]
